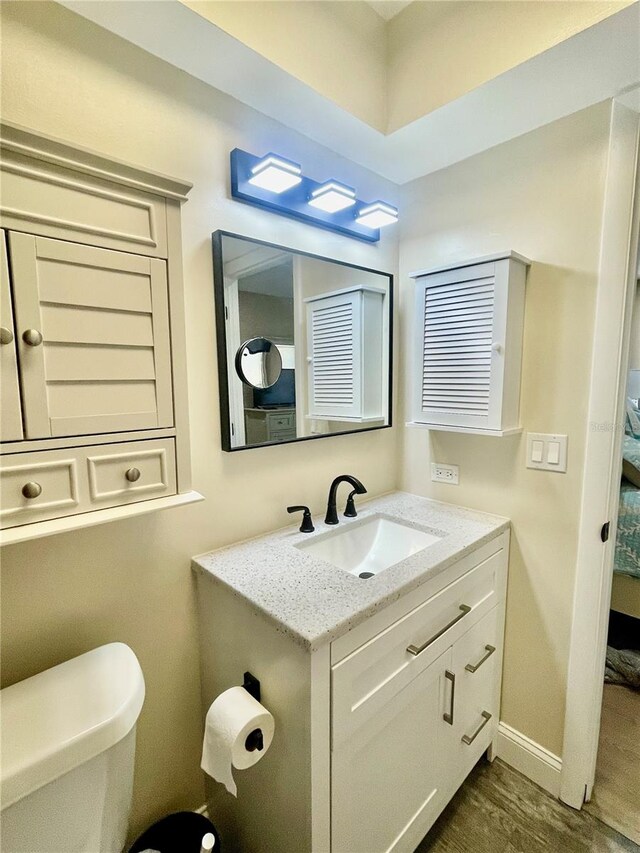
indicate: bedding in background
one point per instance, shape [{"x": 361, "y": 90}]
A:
[
  {"x": 631, "y": 460},
  {"x": 627, "y": 553}
]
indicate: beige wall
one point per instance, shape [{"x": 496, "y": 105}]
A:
[
  {"x": 131, "y": 580},
  {"x": 337, "y": 48},
  {"x": 542, "y": 196},
  {"x": 439, "y": 50}
]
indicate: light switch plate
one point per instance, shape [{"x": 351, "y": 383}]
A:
[
  {"x": 441, "y": 473},
  {"x": 543, "y": 449}
]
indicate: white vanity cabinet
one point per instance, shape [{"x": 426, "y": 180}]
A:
[
  {"x": 375, "y": 730},
  {"x": 94, "y": 411}
]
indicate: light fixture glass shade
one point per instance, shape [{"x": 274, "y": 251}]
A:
[
  {"x": 332, "y": 197},
  {"x": 377, "y": 215},
  {"x": 275, "y": 174}
]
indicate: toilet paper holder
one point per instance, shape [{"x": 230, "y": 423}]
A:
[{"x": 255, "y": 739}]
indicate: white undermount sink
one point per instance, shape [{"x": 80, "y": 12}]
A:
[{"x": 366, "y": 547}]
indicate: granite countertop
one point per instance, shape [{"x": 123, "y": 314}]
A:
[{"x": 315, "y": 602}]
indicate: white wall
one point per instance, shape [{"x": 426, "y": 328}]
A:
[
  {"x": 337, "y": 48},
  {"x": 131, "y": 580},
  {"x": 541, "y": 195},
  {"x": 439, "y": 50}
]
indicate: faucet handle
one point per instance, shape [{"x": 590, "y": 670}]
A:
[
  {"x": 307, "y": 522},
  {"x": 350, "y": 509}
]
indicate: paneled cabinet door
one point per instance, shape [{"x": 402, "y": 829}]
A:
[
  {"x": 387, "y": 776},
  {"x": 10, "y": 413},
  {"x": 94, "y": 346}
]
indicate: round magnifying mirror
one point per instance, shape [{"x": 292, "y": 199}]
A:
[{"x": 259, "y": 363}]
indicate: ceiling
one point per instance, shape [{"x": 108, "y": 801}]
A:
[
  {"x": 388, "y": 9},
  {"x": 598, "y": 63}
]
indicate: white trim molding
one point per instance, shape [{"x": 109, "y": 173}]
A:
[
  {"x": 601, "y": 480},
  {"x": 529, "y": 758}
]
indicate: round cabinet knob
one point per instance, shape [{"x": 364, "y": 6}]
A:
[
  {"x": 132, "y": 475},
  {"x": 6, "y": 335},
  {"x": 32, "y": 338},
  {"x": 32, "y": 490}
]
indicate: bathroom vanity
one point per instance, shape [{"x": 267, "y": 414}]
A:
[{"x": 385, "y": 689}]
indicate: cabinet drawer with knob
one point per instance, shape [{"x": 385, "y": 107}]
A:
[
  {"x": 54, "y": 483},
  {"x": 37, "y": 486},
  {"x": 122, "y": 473}
]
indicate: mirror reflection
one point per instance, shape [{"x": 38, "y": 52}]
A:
[
  {"x": 303, "y": 344},
  {"x": 259, "y": 363}
]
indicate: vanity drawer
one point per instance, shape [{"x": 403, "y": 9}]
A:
[
  {"x": 363, "y": 682},
  {"x": 281, "y": 422},
  {"x": 38, "y": 486},
  {"x": 125, "y": 473}
]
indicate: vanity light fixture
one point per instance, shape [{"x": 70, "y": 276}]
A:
[
  {"x": 275, "y": 174},
  {"x": 377, "y": 215},
  {"x": 276, "y": 184},
  {"x": 332, "y": 197}
]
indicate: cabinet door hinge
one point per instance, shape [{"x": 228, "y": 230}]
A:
[
  {"x": 604, "y": 532},
  {"x": 233, "y": 429},
  {"x": 226, "y": 313}
]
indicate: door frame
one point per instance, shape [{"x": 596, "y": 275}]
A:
[{"x": 603, "y": 457}]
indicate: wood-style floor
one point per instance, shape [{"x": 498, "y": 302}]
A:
[
  {"x": 616, "y": 793},
  {"x": 499, "y": 811}
]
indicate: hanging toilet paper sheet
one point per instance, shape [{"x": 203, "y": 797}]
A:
[{"x": 233, "y": 715}]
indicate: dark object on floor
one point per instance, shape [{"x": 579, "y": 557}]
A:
[
  {"x": 499, "y": 811},
  {"x": 624, "y": 631},
  {"x": 623, "y": 667},
  {"x": 181, "y": 832}
]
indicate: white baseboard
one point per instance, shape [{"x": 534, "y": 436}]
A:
[{"x": 529, "y": 758}]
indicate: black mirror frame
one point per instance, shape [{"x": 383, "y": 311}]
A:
[{"x": 221, "y": 341}]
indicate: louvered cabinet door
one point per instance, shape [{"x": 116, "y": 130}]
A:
[
  {"x": 334, "y": 330},
  {"x": 461, "y": 334},
  {"x": 94, "y": 343},
  {"x": 10, "y": 411}
]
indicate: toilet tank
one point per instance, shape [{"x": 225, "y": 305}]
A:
[{"x": 67, "y": 740}]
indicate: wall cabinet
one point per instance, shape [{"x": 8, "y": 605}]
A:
[
  {"x": 469, "y": 322},
  {"x": 92, "y": 356},
  {"x": 347, "y": 368},
  {"x": 376, "y": 730}
]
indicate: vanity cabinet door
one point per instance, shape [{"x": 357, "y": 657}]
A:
[
  {"x": 477, "y": 663},
  {"x": 10, "y": 412},
  {"x": 94, "y": 347},
  {"x": 388, "y": 777}
]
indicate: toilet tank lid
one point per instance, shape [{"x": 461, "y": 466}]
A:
[{"x": 65, "y": 716}]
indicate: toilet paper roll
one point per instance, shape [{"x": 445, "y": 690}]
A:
[{"x": 232, "y": 716}]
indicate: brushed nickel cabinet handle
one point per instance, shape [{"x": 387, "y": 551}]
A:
[
  {"x": 451, "y": 676},
  {"x": 416, "y": 650},
  {"x": 486, "y": 716},
  {"x": 6, "y": 336},
  {"x": 132, "y": 475},
  {"x": 475, "y": 667},
  {"x": 32, "y": 337},
  {"x": 32, "y": 490}
]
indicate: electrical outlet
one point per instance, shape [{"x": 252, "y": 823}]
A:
[{"x": 444, "y": 473}]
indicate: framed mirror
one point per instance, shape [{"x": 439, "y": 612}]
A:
[{"x": 304, "y": 344}]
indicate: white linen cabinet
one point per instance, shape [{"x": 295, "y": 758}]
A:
[
  {"x": 469, "y": 321},
  {"x": 92, "y": 350}
]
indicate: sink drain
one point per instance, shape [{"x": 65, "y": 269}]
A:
[{"x": 365, "y": 575}]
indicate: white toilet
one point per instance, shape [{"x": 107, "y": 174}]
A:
[{"x": 66, "y": 764}]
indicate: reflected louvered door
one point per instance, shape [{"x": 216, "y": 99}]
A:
[
  {"x": 103, "y": 362},
  {"x": 334, "y": 342},
  {"x": 459, "y": 381}
]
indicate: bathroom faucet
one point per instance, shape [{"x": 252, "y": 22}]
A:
[{"x": 332, "y": 516}]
